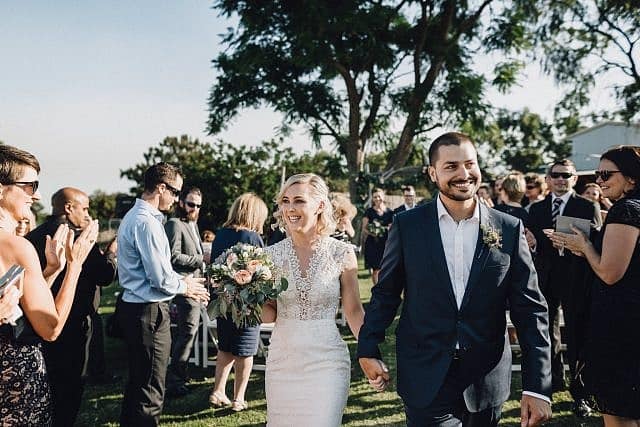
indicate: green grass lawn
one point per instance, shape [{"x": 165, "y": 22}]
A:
[{"x": 101, "y": 404}]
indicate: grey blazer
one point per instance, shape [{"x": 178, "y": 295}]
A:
[{"x": 186, "y": 247}]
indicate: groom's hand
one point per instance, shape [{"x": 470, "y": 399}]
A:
[
  {"x": 376, "y": 371},
  {"x": 533, "y": 411}
]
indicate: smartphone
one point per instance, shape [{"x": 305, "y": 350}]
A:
[{"x": 10, "y": 277}]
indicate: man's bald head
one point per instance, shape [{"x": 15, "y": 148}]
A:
[{"x": 73, "y": 204}]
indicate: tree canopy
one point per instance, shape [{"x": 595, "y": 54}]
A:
[
  {"x": 223, "y": 172},
  {"x": 584, "y": 40},
  {"x": 367, "y": 72}
]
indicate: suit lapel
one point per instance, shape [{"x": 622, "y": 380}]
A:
[
  {"x": 480, "y": 255},
  {"x": 436, "y": 251},
  {"x": 197, "y": 245}
]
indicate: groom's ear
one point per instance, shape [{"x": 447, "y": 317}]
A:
[{"x": 432, "y": 173}]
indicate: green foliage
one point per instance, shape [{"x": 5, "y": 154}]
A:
[
  {"x": 223, "y": 171},
  {"x": 583, "y": 40},
  {"x": 522, "y": 141},
  {"x": 102, "y": 206},
  {"x": 352, "y": 70}
]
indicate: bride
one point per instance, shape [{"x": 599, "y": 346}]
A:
[{"x": 308, "y": 366}]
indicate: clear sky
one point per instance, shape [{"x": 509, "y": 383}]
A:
[{"x": 88, "y": 86}]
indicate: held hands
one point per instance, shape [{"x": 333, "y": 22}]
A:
[
  {"x": 376, "y": 371},
  {"x": 196, "y": 289},
  {"x": 533, "y": 411}
]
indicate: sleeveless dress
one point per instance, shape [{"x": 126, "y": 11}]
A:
[
  {"x": 308, "y": 366},
  {"x": 374, "y": 246},
  {"x": 613, "y": 346}
]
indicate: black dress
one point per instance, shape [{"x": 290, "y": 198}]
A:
[
  {"x": 241, "y": 342},
  {"x": 613, "y": 352},
  {"x": 25, "y": 396},
  {"x": 374, "y": 246},
  {"x": 516, "y": 211}
]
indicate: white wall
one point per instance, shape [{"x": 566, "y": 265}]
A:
[{"x": 587, "y": 146}]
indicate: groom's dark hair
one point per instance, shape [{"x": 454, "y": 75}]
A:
[{"x": 449, "y": 138}]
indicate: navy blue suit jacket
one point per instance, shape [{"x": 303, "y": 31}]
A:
[{"x": 414, "y": 268}]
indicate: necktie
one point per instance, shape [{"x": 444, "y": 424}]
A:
[{"x": 555, "y": 211}]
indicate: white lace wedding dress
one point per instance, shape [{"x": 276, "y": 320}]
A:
[{"x": 308, "y": 365}]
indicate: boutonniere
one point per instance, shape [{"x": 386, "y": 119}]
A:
[{"x": 491, "y": 237}]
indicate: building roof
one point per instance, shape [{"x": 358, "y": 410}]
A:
[{"x": 599, "y": 125}]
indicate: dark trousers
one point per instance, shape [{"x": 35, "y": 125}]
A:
[
  {"x": 148, "y": 339},
  {"x": 66, "y": 366},
  {"x": 448, "y": 408},
  {"x": 554, "y": 303},
  {"x": 185, "y": 334},
  {"x": 97, "y": 366}
]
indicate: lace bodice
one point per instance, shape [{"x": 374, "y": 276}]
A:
[{"x": 316, "y": 295}]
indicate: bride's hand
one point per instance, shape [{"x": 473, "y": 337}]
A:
[{"x": 376, "y": 372}]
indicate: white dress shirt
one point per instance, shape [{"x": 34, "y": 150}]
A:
[
  {"x": 459, "y": 241},
  {"x": 565, "y": 199}
]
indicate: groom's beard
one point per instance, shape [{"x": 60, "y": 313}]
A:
[{"x": 449, "y": 190}]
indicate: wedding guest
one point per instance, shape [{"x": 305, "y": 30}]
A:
[
  {"x": 454, "y": 265},
  {"x": 66, "y": 358},
  {"x": 25, "y": 225},
  {"x": 25, "y": 397},
  {"x": 562, "y": 276},
  {"x": 536, "y": 189},
  {"x": 149, "y": 283},
  {"x": 237, "y": 346},
  {"x": 593, "y": 192},
  {"x": 208, "y": 236},
  {"x": 187, "y": 258},
  {"x": 484, "y": 195},
  {"x": 511, "y": 193},
  {"x": 409, "y": 196},
  {"x": 497, "y": 186},
  {"x": 381, "y": 215},
  {"x": 97, "y": 372},
  {"x": 343, "y": 212},
  {"x": 613, "y": 352},
  {"x": 308, "y": 365}
]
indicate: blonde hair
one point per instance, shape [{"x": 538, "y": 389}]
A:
[
  {"x": 514, "y": 186},
  {"x": 320, "y": 192},
  {"x": 342, "y": 207},
  {"x": 247, "y": 211}
]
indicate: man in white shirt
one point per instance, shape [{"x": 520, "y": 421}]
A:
[{"x": 457, "y": 265}]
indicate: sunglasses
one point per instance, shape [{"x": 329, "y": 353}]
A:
[
  {"x": 192, "y": 205},
  {"x": 565, "y": 175},
  {"x": 604, "y": 174},
  {"x": 173, "y": 190},
  {"x": 531, "y": 187},
  {"x": 25, "y": 185}
]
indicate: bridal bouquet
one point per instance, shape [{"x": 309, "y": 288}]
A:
[
  {"x": 376, "y": 229},
  {"x": 243, "y": 280}
]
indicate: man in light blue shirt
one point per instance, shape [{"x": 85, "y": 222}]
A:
[{"x": 149, "y": 283}]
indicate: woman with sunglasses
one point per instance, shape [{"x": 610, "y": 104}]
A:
[
  {"x": 24, "y": 392},
  {"x": 613, "y": 358},
  {"x": 237, "y": 346}
]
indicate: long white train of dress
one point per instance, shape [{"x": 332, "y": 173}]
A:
[{"x": 308, "y": 366}]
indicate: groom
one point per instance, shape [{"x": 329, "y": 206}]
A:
[{"x": 458, "y": 266}]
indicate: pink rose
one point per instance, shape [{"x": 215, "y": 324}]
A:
[
  {"x": 253, "y": 265},
  {"x": 231, "y": 258},
  {"x": 242, "y": 277}
]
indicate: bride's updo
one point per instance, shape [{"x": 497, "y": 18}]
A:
[{"x": 320, "y": 192}]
